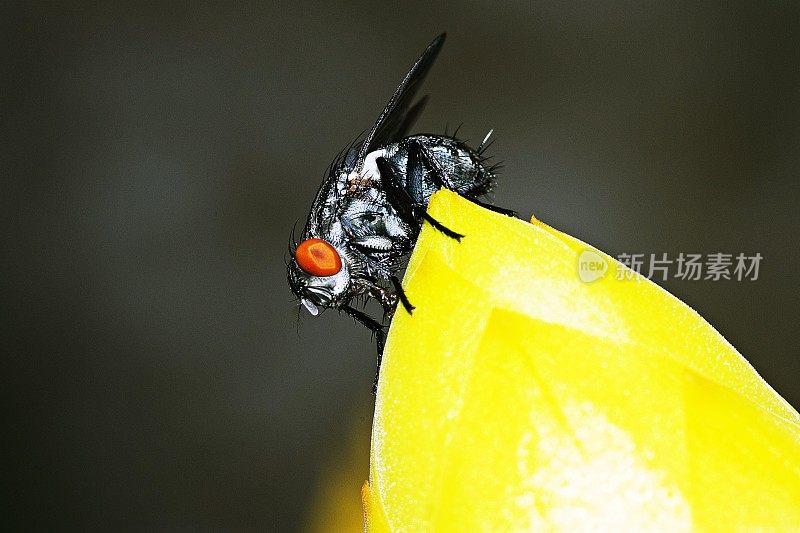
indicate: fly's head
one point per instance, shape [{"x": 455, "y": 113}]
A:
[{"x": 318, "y": 276}]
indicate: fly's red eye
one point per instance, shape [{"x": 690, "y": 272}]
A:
[{"x": 318, "y": 258}]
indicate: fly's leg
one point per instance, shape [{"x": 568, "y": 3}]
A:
[
  {"x": 370, "y": 323},
  {"x": 490, "y": 207},
  {"x": 377, "y": 329},
  {"x": 386, "y": 297},
  {"x": 439, "y": 226},
  {"x": 401, "y": 294},
  {"x": 389, "y": 298},
  {"x": 440, "y": 178},
  {"x": 402, "y": 202}
]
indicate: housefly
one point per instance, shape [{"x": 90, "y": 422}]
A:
[{"x": 371, "y": 206}]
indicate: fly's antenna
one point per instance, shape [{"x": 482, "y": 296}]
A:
[{"x": 483, "y": 146}]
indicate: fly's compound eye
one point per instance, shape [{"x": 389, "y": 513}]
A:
[{"x": 318, "y": 258}]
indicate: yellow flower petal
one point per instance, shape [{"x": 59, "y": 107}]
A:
[
  {"x": 518, "y": 397},
  {"x": 374, "y": 517}
]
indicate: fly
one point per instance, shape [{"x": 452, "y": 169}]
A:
[{"x": 371, "y": 206}]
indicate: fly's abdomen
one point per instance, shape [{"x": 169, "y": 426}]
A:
[{"x": 462, "y": 167}]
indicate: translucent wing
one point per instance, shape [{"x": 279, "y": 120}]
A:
[{"x": 396, "y": 117}]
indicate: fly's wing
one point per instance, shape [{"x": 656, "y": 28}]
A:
[{"x": 396, "y": 117}]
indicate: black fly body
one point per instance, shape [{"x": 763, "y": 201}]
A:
[{"x": 370, "y": 208}]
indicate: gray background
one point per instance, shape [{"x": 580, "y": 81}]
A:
[{"x": 156, "y": 155}]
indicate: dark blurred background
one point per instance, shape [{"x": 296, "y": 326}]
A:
[{"x": 157, "y": 154}]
